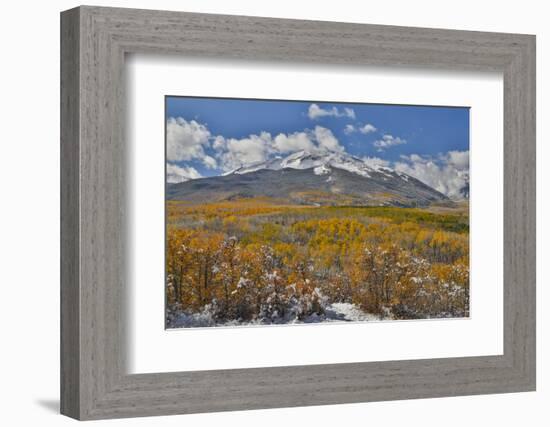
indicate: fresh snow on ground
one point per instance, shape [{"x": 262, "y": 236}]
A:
[
  {"x": 349, "y": 312},
  {"x": 336, "y": 312}
]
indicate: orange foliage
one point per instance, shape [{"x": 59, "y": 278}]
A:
[{"x": 252, "y": 259}]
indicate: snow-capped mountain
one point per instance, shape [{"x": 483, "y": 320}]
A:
[
  {"x": 320, "y": 163},
  {"x": 312, "y": 178}
]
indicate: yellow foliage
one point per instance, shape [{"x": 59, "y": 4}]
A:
[{"x": 247, "y": 258}]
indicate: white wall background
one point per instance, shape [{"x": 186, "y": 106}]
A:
[{"x": 29, "y": 224}]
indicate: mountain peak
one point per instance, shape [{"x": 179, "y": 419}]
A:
[
  {"x": 332, "y": 179},
  {"x": 321, "y": 162}
]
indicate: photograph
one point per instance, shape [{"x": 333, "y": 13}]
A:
[
  {"x": 317, "y": 212},
  {"x": 292, "y": 212}
]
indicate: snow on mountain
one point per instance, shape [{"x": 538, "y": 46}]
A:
[
  {"x": 327, "y": 168},
  {"x": 319, "y": 179},
  {"x": 321, "y": 163}
]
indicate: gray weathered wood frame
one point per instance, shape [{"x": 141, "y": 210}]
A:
[{"x": 94, "y": 41}]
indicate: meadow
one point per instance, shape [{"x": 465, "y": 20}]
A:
[{"x": 262, "y": 261}]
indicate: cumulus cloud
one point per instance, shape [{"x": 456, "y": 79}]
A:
[
  {"x": 210, "y": 162},
  {"x": 315, "y": 112},
  {"x": 234, "y": 153},
  {"x": 175, "y": 173},
  {"x": 349, "y": 129},
  {"x": 297, "y": 141},
  {"x": 349, "y": 112},
  {"x": 187, "y": 140},
  {"x": 376, "y": 162},
  {"x": 448, "y": 173},
  {"x": 388, "y": 141},
  {"x": 218, "y": 143},
  {"x": 190, "y": 140},
  {"x": 460, "y": 159},
  {"x": 326, "y": 140},
  {"x": 364, "y": 129},
  {"x": 368, "y": 128}
]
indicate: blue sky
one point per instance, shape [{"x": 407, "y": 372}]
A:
[{"x": 209, "y": 136}]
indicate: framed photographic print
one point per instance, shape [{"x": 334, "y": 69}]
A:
[
  {"x": 345, "y": 212},
  {"x": 329, "y": 219}
]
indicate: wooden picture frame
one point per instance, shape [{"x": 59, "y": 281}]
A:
[{"x": 94, "y": 382}]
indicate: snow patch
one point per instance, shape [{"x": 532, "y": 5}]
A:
[
  {"x": 335, "y": 312},
  {"x": 321, "y": 170},
  {"x": 347, "y": 312},
  {"x": 320, "y": 162}
]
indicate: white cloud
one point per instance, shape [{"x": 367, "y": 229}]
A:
[
  {"x": 175, "y": 173},
  {"x": 376, "y": 162},
  {"x": 186, "y": 140},
  {"x": 326, "y": 139},
  {"x": 448, "y": 174},
  {"x": 368, "y": 128},
  {"x": 460, "y": 159},
  {"x": 415, "y": 158},
  {"x": 365, "y": 129},
  {"x": 234, "y": 153},
  {"x": 296, "y": 141},
  {"x": 210, "y": 162},
  {"x": 388, "y": 141},
  {"x": 189, "y": 140},
  {"x": 315, "y": 112},
  {"x": 349, "y": 129},
  {"x": 349, "y": 112},
  {"x": 219, "y": 143}
]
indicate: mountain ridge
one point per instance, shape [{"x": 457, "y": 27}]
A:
[
  {"x": 304, "y": 159},
  {"x": 312, "y": 179}
]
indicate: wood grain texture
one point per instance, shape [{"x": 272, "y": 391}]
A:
[
  {"x": 94, "y": 231},
  {"x": 70, "y": 297}
]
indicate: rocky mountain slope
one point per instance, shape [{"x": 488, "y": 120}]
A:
[{"x": 311, "y": 178}]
